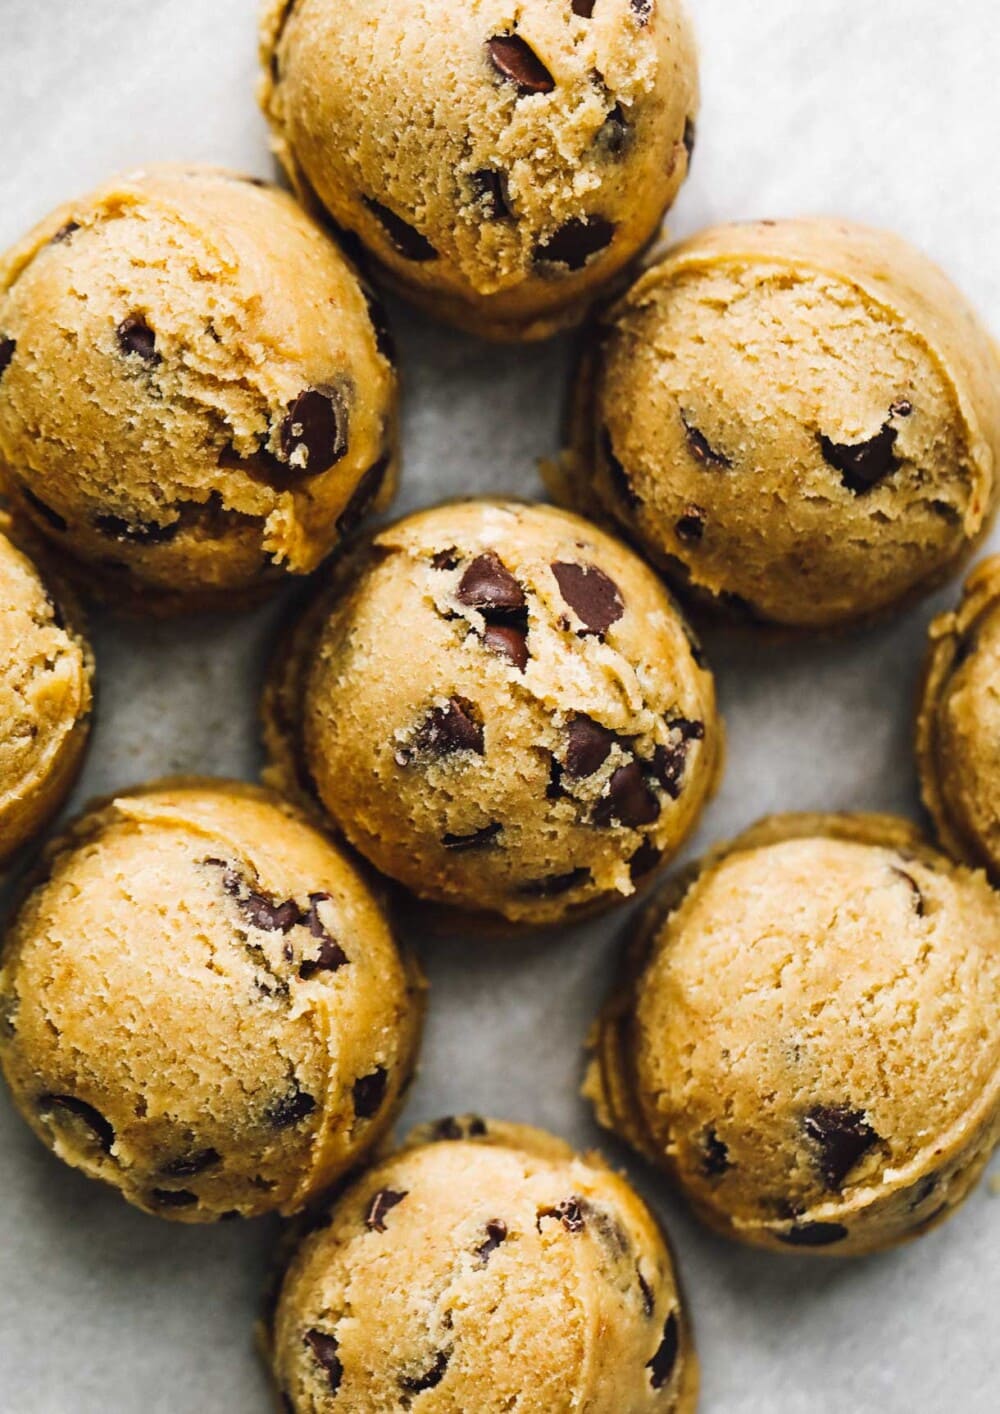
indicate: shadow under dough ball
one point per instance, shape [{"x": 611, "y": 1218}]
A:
[
  {"x": 46, "y": 676},
  {"x": 202, "y": 1004},
  {"x": 808, "y": 1039},
  {"x": 958, "y": 723},
  {"x": 501, "y": 708},
  {"x": 798, "y": 420},
  {"x": 503, "y": 170},
  {"x": 196, "y": 398},
  {"x": 522, "y": 1275}
]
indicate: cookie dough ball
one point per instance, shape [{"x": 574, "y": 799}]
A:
[
  {"x": 46, "y": 671},
  {"x": 958, "y": 725},
  {"x": 486, "y": 1268},
  {"x": 809, "y": 1040},
  {"x": 194, "y": 399},
  {"x": 499, "y": 706},
  {"x": 799, "y": 420},
  {"x": 503, "y": 162},
  {"x": 202, "y": 1004}
]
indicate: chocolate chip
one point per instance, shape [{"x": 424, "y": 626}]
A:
[
  {"x": 46, "y": 512},
  {"x": 690, "y": 527},
  {"x": 188, "y": 1165},
  {"x": 914, "y": 887},
  {"x": 842, "y": 1136},
  {"x": 592, "y": 596},
  {"x": 570, "y": 1213},
  {"x": 701, "y": 448},
  {"x": 576, "y": 241},
  {"x": 260, "y": 463},
  {"x": 642, "y": 9},
  {"x": 448, "y": 1128},
  {"x": 496, "y": 1233},
  {"x": 379, "y": 319},
  {"x": 430, "y": 1379},
  {"x": 628, "y": 801},
  {"x": 173, "y": 1197},
  {"x": 476, "y": 840},
  {"x": 476, "y": 1127},
  {"x": 902, "y": 407},
  {"x": 661, "y": 1367},
  {"x": 813, "y": 1235},
  {"x": 715, "y": 1155},
  {"x": 406, "y": 239},
  {"x": 136, "y": 532},
  {"x": 489, "y": 586},
  {"x": 614, "y": 131},
  {"x": 446, "y": 559},
  {"x": 644, "y": 861},
  {"x": 515, "y": 60},
  {"x": 8, "y": 347},
  {"x": 921, "y": 1191},
  {"x": 313, "y": 434},
  {"x": 450, "y": 729},
  {"x": 669, "y": 762},
  {"x": 489, "y": 191},
  {"x": 589, "y": 746},
  {"x": 554, "y": 790},
  {"x": 862, "y": 465},
  {"x": 382, "y": 1203},
  {"x": 287, "y": 1407},
  {"x": 136, "y": 337},
  {"x": 363, "y": 497},
  {"x": 369, "y": 1092},
  {"x": 509, "y": 643},
  {"x": 583, "y": 8},
  {"x": 619, "y": 476},
  {"x": 331, "y": 956},
  {"x": 554, "y": 885},
  {"x": 690, "y": 136},
  {"x": 103, "y": 1131},
  {"x": 64, "y": 232},
  {"x": 291, "y": 1109},
  {"x": 648, "y": 1299},
  {"x": 324, "y": 1348},
  {"x": 271, "y": 917}
]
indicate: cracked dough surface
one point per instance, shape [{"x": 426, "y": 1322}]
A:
[
  {"x": 808, "y": 1040},
  {"x": 799, "y": 420},
  {"x": 485, "y": 1267},
  {"x": 46, "y": 673},
  {"x": 500, "y": 707},
  {"x": 502, "y": 161},
  {"x": 194, "y": 398},
  {"x": 202, "y": 1004}
]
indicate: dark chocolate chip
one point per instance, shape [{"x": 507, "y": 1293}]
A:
[
  {"x": 51, "y": 517},
  {"x": 701, "y": 448},
  {"x": 614, "y": 131},
  {"x": 271, "y": 917},
  {"x": 690, "y": 136},
  {"x": 8, "y": 347},
  {"x": 188, "y": 1165},
  {"x": 173, "y": 1197},
  {"x": 576, "y": 241},
  {"x": 448, "y": 1128},
  {"x": 554, "y": 885},
  {"x": 715, "y": 1155},
  {"x": 291, "y": 1109},
  {"x": 451, "y": 729},
  {"x": 315, "y": 427},
  {"x": 813, "y": 1234},
  {"x": 648, "y": 1299},
  {"x": 476, "y": 1127},
  {"x": 136, "y": 337},
  {"x": 588, "y": 747},
  {"x": 93, "y": 1119},
  {"x": 287, "y": 1407},
  {"x": 583, "y": 8},
  {"x": 629, "y": 801},
  {"x": 496, "y": 1233},
  {"x": 690, "y": 527},
  {"x": 324, "y": 1348},
  {"x": 446, "y": 559},
  {"x": 642, "y": 9},
  {"x": 661, "y": 1367},
  {"x": 619, "y": 476},
  {"x": 364, "y": 496},
  {"x": 430, "y": 1379},
  {"x": 644, "y": 861},
  {"x": 382, "y": 1203},
  {"x": 515, "y": 60},
  {"x": 369, "y": 1092},
  {"x": 136, "y": 532},
  {"x": 489, "y": 586},
  {"x": 384, "y": 340},
  {"x": 594, "y": 598},
  {"x": 862, "y": 465},
  {"x": 331, "y": 956},
  {"x": 902, "y": 407},
  {"x": 476, "y": 840},
  {"x": 570, "y": 1213},
  {"x": 842, "y": 1137},
  {"x": 668, "y": 766},
  {"x": 914, "y": 887},
  {"x": 922, "y": 1191},
  {"x": 64, "y": 232},
  {"x": 406, "y": 239},
  {"x": 554, "y": 790},
  {"x": 489, "y": 191},
  {"x": 507, "y": 642}
]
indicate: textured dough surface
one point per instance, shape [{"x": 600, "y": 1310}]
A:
[
  {"x": 799, "y": 420},
  {"x": 202, "y": 1004},
  {"x": 485, "y": 1268},
  {"x": 46, "y": 672},
  {"x": 958, "y": 726},
  {"x": 502, "y": 161},
  {"x": 194, "y": 398},
  {"x": 810, "y": 1043},
  {"x": 501, "y": 708}
]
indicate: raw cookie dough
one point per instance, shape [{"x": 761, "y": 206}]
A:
[
  {"x": 46, "y": 673},
  {"x": 958, "y": 724},
  {"x": 202, "y": 1004},
  {"x": 798, "y": 420},
  {"x": 501, "y": 708},
  {"x": 808, "y": 1040},
  {"x": 194, "y": 398},
  {"x": 485, "y": 1267},
  {"x": 503, "y": 162}
]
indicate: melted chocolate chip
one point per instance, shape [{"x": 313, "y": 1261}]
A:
[
  {"x": 661, "y": 1367},
  {"x": 313, "y": 434},
  {"x": 324, "y": 1348},
  {"x": 291, "y": 1109},
  {"x": 489, "y": 586},
  {"x": 690, "y": 527},
  {"x": 188, "y": 1165},
  {"x": 628, "y": 801},
  {"x": 65, "y": 232},
  {"x": 862, "y": 465},
  {"x": 379, "y": 319},
  {"x": 648, "y": 1299},
  {"x": 363, "y": 497},
  {"x": 369, "y": 1092},
  {"x": 914, "y": 887},
  {"x": 570, "y": 1212},
  {"x": 642, "y": 9},
  {"x": 842, "y": 1136},
  {"x": 382, "y": 1203},
  {"x": 496, "y": 1233},
  {"x": 515, "y": 60},
  {"x": 406, "y": 239},
  {"x": 593, "y": 597},
  {"x": 509, "y": 643},
  {"x": 489, "y": 191},
  {"x": 430, "y": 1379},
  {"x": 136, "y": 532},
  {"x": 644, "y": 861},
  {"x": 715, "y": 1155},
  {"x": 701, "y": 448},
  {"x": 555, "y": 885},
  {"x": 173, "y": 1197},
  {"x": 8, "y": 347},
  {"x": 51, "y": 517},
  {"x": 576, "y": 242},
  {"x": 102, "y": 1130},
  {"x": 136, "y": 337},
  {"x": 476, "y": 840},
  {"x": 588, "y": 747},
  {"x": 450, "y": 729},
  {"x": 619, "y": 476},
  {"x": 813, "y": 1235}
]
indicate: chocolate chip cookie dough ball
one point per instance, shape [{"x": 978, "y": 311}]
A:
[
  {"x": 958, "y": 724},
  {"x": 809, "y": 1042},
  {"x": 500, "y": 707},
  {"x": 202, "y": 1004},
  {"x": 798, "y": 420},
  {"x": 194, "y": 400},
  {"x": 46, "y": 673},
  {"x": 503, "y": 162},
  {"x": 485, "y": 1267}
]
